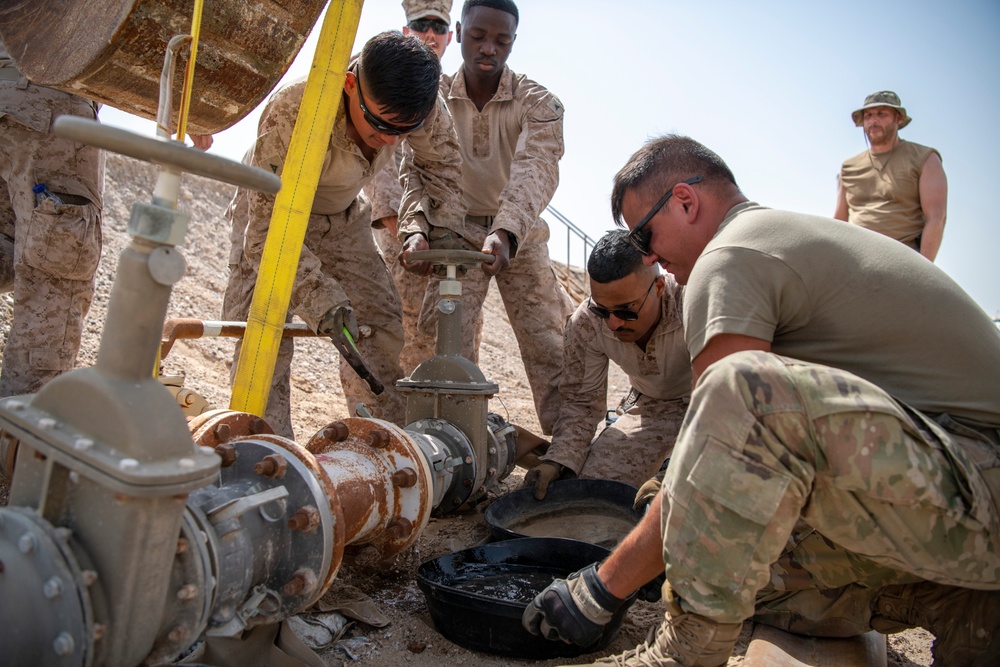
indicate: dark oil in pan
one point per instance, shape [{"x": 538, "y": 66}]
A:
[{"x": 506, "y": 582}]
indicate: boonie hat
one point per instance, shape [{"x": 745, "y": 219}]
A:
[
  {"x": 883, "y": 98},
  {"x": 421, "y": 9}
]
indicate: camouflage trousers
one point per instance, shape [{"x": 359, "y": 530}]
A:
[
  {"x": 633, "y": 449},
  {"x": 344, "y": 244},
  {"x": 49, "y": 253},
  {"x": 537, "y": 307},
  {"x": 416, "y": 346},
  {"x": 804, "y": 489}
]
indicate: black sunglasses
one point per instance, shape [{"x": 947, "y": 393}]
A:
[
  {"x": 640, "y": 237},
  {"x": 423, "y": 25},
  {"x": 377, "y": 123},
  {"x": 622, "y": 314}
]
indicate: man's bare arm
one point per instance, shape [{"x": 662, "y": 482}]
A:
[
  {"x": 840, "y": 213},
  {"x": 639, "y": 558},
  {"x": 934, "y": 202}
]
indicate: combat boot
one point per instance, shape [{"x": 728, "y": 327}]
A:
[
  {"x": 965, "y": 622},
  {"x": 681, "y": 640}
]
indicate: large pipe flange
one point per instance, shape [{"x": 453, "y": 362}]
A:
[
  {"x": 215, "y": 428},
  {"x": 382, "y": 479},
  {"x": 47, "y": 615},
  {"x": 294, "y": 496},
  {"x": 190, "y": 595}
]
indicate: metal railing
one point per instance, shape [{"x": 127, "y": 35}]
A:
[{"x": 575, "y": 283}]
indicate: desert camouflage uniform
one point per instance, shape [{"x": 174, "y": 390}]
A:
[
  {"x": 769, "y": 440},
  {"x": 633, "y": 448},
  {"x": 48, "y": 254},
  {"x": 385, "y": 194},
  {"x": 339, "y": 260},
  {"x": 510, "y": 168},
  {"x": 805, "y": 487}
]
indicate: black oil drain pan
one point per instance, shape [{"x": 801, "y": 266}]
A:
[{"x": 476, "y": 596}]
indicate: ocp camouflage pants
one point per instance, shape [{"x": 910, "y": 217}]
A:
[
  {"x": 772, "y": 447},
  {"x": 48, "y": 254}
]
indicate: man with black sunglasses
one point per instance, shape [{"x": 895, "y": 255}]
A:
[
  {"x": 632, "y": 318},
  {"x": 510, "y": 133},
  {"x": 838, "y": 470},
  {"x": 390, "y": 93},
  {"x": 430, "y": 22}
]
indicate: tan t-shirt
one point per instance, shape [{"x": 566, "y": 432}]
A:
[
  {"x": 510, "y": 154},
  {"x": 883, "y": 191},
  {"x": 833, "y": 294}
]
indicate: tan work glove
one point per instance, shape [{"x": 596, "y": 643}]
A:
[
  {"x": 541, "y": 476},
  {"x": 647, "y": 492}
]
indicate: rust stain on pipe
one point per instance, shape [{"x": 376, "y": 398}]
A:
[{"x": 112, "y": 51}]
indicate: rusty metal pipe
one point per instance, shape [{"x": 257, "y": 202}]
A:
[
  {"x": 112, "y": 51},
  {"x": 188, "y": 329},
  {"x": 382, "y": 509}
]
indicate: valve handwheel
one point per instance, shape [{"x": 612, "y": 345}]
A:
[
  {"x": 172, "y": 154},
  {"x": 450, "y": 257}
]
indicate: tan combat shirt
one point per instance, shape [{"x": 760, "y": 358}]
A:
[
  {"x": 828, "y": 293},
  {"x": 662, "y": 371},
  {"x": 510, "y": 156},
  {"x": 883, "y": 191},
  {"x": 434, "y": 174}
]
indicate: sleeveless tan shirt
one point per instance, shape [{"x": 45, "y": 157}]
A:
[{"x": 883, "y": 191}]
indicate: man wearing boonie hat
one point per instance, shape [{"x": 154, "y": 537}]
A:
[{"x": 896, "y": 187}]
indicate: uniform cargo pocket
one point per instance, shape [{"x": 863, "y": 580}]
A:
[
  {"x": 733, "y": 499},
  {"x": 64, "y": 241}
]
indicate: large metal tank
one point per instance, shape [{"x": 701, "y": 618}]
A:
[{"x": 112, "y": 50}]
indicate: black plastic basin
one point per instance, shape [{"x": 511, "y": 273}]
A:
[
  {"x": 476, "y": 596},
  {"x": 598, "y": 511}
]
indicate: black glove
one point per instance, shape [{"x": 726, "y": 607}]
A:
[
  {"x": 574, "y": 610},
  {"x": 338, "y": 318}
]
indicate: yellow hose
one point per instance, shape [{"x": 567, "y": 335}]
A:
[{"x": 292, "y": 207}]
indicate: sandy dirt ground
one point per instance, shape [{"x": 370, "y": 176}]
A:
[{"x": 409, "y": 636}]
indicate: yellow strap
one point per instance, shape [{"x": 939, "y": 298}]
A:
[
  {"x": 292, "y": 207},
  {"x": 189, "y": 72},
  {"x": 185, "y": 105}
]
